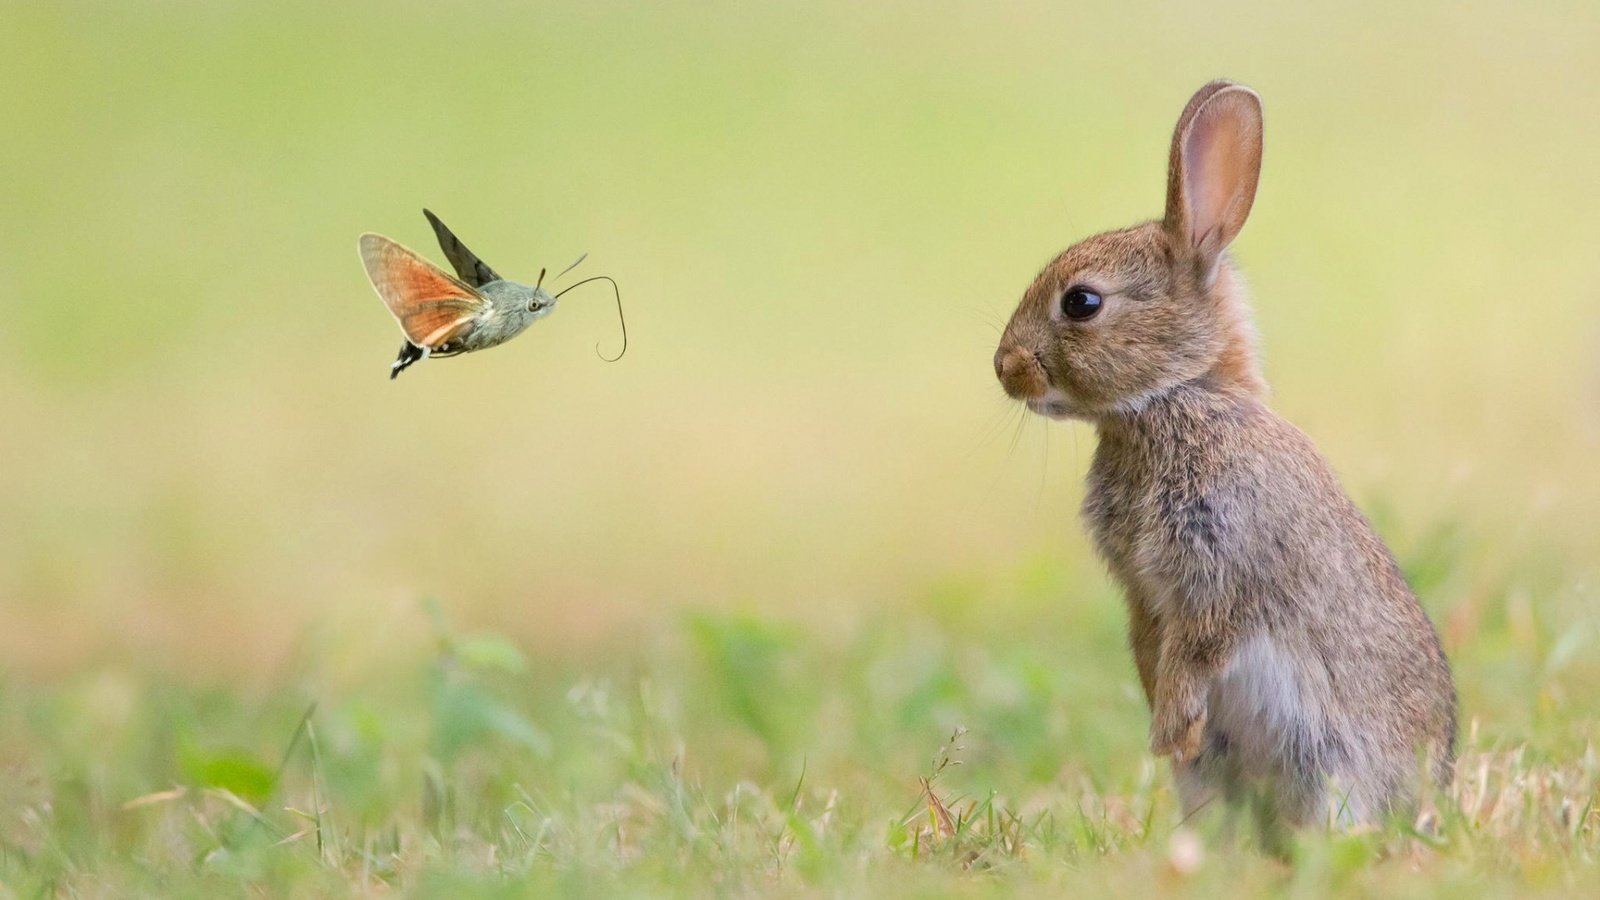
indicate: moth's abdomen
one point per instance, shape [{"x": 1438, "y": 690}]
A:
[{"x": 409, "y": 353}]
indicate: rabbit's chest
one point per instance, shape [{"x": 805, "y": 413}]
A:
[{"x": 1158, "y": 527}]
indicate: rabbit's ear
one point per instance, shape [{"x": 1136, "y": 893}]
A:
[{"x": 1213, "y": 169}]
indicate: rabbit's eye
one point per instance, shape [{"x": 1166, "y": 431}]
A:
[{"x": 1080, "y": 303}]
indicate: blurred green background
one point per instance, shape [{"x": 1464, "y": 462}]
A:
[{"x": 820, "y": 216}]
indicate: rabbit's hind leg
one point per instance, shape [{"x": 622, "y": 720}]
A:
[{"x": 1212, "y": 783}]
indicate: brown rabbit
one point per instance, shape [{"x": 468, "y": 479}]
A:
[{"x": 1280, "y": 650}]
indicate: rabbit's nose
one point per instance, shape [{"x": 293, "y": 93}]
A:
[{"x": 1019, "y": 372}]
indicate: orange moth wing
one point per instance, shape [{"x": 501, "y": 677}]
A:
[{"x": 431, "y": 305}]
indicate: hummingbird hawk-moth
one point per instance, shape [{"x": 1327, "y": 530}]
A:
[{"x": 447, "y": 315}]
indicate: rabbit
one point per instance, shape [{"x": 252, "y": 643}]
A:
[{"x": 1284, "y": 659}]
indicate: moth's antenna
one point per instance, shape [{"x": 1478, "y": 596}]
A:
[
  {"x": 540, "y": 283},
  {"x": 620, "y": 320},
  {"x": 573, "y": 266}
]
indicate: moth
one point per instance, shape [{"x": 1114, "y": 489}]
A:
[{"x": 475, "y": 309}]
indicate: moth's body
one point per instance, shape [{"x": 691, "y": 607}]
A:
[
  {"x": 509, "y": 309},
  {"x": 1279, "y": 647},
  {"x": 512, "y": 308}
]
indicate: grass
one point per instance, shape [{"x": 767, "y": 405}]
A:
[
  {"x": 935, "y": 750},
  {"x": 701, "y": 622}
]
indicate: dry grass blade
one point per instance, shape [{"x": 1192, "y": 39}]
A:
[
  {"x": 944, "y": 823},
  {"x": 293, "y": 837},
  {"x": 157, "y": 797}
]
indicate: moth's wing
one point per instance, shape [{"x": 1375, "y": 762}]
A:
[
  {"x": 432, "y": 307},
  {"x": 472, "y": 270}
]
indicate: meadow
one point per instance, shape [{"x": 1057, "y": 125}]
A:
[{"x": 790, "y": 600}]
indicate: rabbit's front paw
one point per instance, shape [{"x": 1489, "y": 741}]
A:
[{"x": 1177, "y": 735}]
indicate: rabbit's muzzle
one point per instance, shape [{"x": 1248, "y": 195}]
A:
[{"x": 1021, "y": 373}]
